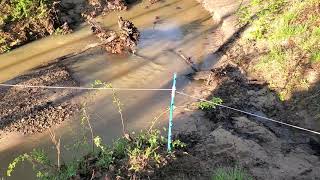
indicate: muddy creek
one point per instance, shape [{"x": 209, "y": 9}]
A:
[{"x": 167, "y": 29}]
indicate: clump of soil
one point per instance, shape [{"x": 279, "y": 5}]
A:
[
  {"x": 117, "y": 42},
  {"x": 153, "y": 1},
  {"x": 32, "y": 110}
]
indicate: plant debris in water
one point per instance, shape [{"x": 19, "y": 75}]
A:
[
  {"x": 123, "y": 41},
  {"x": 117, "y": 5},
  {"x": 96, "y": 7}
]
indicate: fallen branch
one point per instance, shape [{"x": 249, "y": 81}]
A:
[
  {"x": 93, "y": 45},
  {"x": 186, "y": 60}
]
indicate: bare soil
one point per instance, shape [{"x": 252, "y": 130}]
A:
[
  {"x": 302, "y": 107},
  {"x": 225, "y": 138},
  {"x": 32, "y": 110}
]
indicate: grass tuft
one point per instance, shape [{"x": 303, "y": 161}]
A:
[
  {"x": 210, "y": 105},
  {"x": 230, "y": 174},
  {"x": 315, "y": 57}
]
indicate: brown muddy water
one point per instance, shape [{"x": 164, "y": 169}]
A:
[{"x": 166, "y": 28}]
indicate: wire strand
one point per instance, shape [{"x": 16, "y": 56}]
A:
[
  {"x": 249, "y": 113},
  {"x": 82, "y": 88},
  {"x": 154, "y": 89}
]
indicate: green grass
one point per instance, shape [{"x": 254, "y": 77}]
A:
[
  {"x": 28, "y": 9},
  {"x": 291, "y": 36},
  {"x": 230, "y": 174},
  {"x": 315, "y": 57},
  {"x": 23, "y": 18},
  {"x": 211, "y": 104}
]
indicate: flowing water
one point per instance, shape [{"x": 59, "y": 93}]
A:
[{"x": 167, "y": 28}]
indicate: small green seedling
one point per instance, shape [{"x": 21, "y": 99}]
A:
[{"x": 211, "y": 104}]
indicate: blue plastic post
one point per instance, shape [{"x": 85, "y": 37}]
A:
[{"x": 173, "y": 92}]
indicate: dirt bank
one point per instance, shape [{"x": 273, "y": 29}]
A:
[
  {"x": 32, "y": 110},
  {"x": 24, "y": 22},
  {"x": 225, "y": 138}
]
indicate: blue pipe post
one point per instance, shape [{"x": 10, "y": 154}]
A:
[{"x": 171, "y": 111}]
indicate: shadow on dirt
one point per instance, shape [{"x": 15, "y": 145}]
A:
[{"x": 265, "y": 149}]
